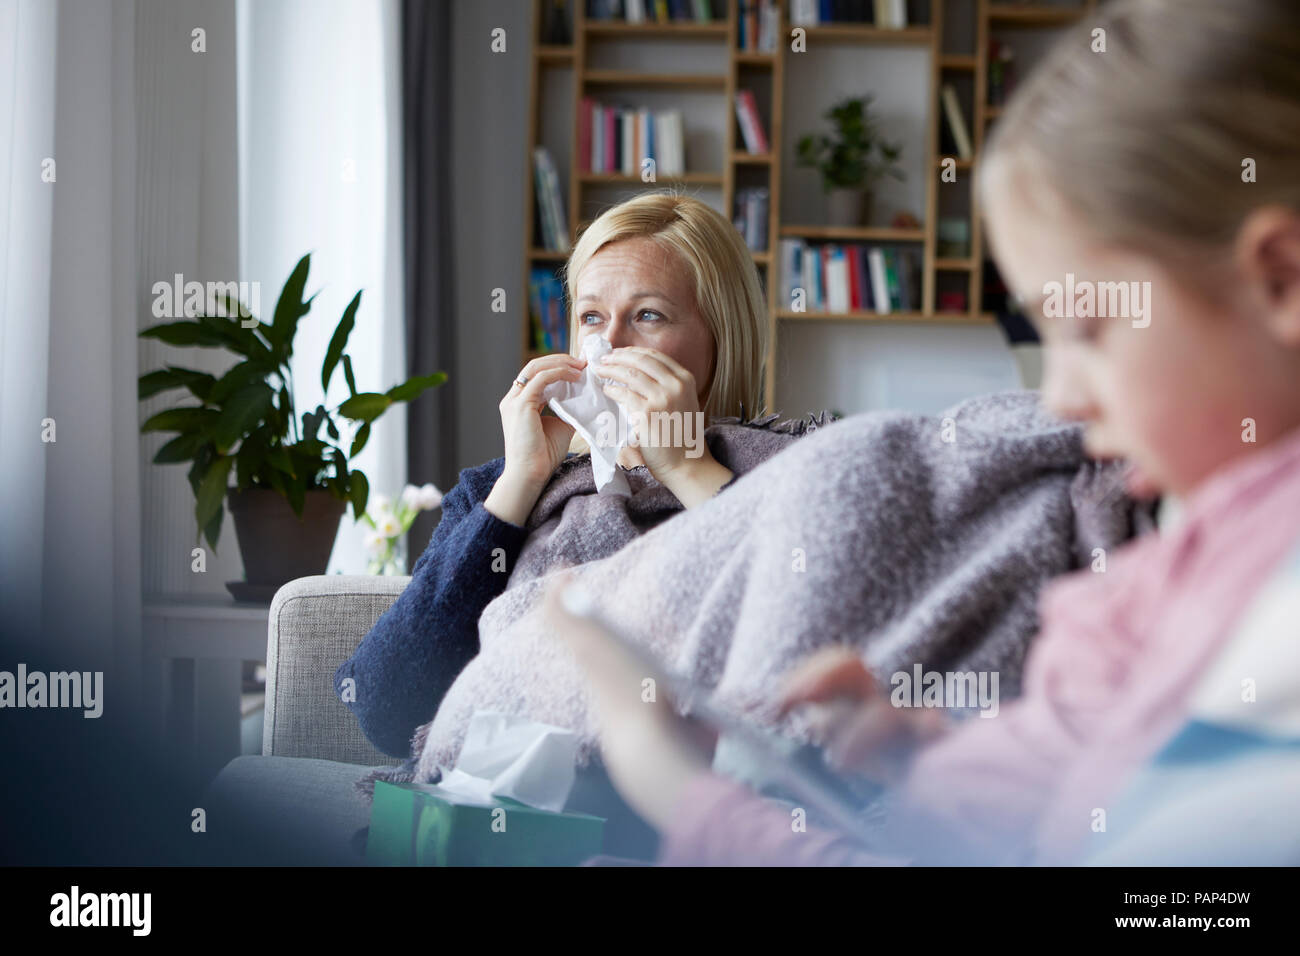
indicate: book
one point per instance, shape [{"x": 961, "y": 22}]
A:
[
  {"x": 879, "y": 283},
  {"x": 891, "y": 279},
  {"x": 837, "y": 279},
  {"x": 864, "y": 278},
  {"x": 956, "y": 122},
  {"x": 751, "y": 126},
  {"x": 550, "y": 207}
]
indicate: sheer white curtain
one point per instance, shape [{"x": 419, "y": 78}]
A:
[
  {"x": 319, "y": 171},
  {"x": 28, "y": 31}
]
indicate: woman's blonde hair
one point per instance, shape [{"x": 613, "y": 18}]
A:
[
  {"x": 727, "y": 290},
  {"x": 1148, "y": 140}
]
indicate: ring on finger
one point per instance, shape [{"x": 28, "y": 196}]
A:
[{"x": 521, "y": 379}]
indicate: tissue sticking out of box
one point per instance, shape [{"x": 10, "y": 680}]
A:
[
  {"x": 595, "y": 416},
  {"x": 509, "y": 756}
]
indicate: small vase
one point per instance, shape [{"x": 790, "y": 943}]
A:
[
  {"x": 392, "y": 561},
  {"x": 847, "y": 207}
]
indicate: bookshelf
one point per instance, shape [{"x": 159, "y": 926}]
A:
[{"x": 563, "y": 74}]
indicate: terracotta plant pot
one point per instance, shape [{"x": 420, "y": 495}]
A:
[{"x": 276, "y": 545}]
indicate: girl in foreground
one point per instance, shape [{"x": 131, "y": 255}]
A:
[{"x": 1166, "y": 164}]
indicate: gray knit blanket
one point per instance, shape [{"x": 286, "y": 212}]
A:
[{"x": 912, "y": 538}]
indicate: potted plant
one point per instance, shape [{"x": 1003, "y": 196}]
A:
[
  {"x": 291, "y": 485},
  {"x": 851, "y": 162}
]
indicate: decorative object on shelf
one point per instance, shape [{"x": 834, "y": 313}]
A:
[
  {"x": 849, "y": 171},
  {"x": 904, "y": 220},
  {"x": 389, "y": 522},
  {"x": 953, "y": 237},
  {"x": 952, "y": 301},
  {"x": 1002, "y": 72},
  {"x": 291, "y": 487}
]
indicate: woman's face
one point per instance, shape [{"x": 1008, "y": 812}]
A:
[{"x": 635, "y": 292}]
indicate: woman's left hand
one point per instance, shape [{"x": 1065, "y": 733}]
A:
[{"x": 654, "y": 388}]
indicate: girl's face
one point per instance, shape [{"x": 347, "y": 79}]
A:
[
  {"x": 1172, "y": 393},
  {"x": 635, "y": 292}
]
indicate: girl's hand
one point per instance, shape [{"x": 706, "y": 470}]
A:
[
  {"x": 853, "y": 719},
  {"x": 645, "y": 381},
  {"x": 650, "y": 751},
  {"x": 535, "y": 443}
]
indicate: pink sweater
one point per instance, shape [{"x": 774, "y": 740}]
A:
[{"x": 1106, "y": 685}]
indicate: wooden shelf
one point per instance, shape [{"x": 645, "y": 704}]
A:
[
  {"x": 553, "y": 53},
  {"x": 1033, "y": 15},
  {"x": 766, "y": 69},
  {"x": 620, "y": 179},
  {"x": 854, "y": 233},
  {"x": 864, "y": 33},
  {"x": 956, "y": 318},
  {"x": 626, "y": 78},
  {"x": 678, "y": 31}
]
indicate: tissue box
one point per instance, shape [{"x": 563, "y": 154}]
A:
[{"x": 419, "y": 824}]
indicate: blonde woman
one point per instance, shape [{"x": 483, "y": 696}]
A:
[{"x": 669, "y": 282}]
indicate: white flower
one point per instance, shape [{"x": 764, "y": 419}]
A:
[
  {"x": 380, "y": 504},
  {"x": 411, "y": 497},
  {"x": 388, "y": 526},
  {"x": 374, "y": 543},
  {"x": 430, "y": 497}
]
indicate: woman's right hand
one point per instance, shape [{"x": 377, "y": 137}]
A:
[{"x": 535, "y": 444}]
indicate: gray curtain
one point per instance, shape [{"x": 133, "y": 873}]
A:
[{"x": 427, "y": 242}]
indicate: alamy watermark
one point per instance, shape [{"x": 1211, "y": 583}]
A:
[
  {"x": 180, "y": 299},
  {"x": 1104, "y": 300},
  {"x": 56, "y": 689},
  {"x": 657, "y": 429},
  {"x": 948, "y": 689}
]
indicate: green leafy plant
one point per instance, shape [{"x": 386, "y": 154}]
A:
[
  {"x": 246, "y": 421},
  {"x": 849, "y": 159}
]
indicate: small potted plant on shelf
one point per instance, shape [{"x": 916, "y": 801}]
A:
[
  {"x": 851, "y": 162},
  {"x": 291, "y": 486}
]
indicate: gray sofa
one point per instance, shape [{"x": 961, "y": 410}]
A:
[{"x": 295, "y": 803}]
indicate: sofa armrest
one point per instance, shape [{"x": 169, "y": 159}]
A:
[{"x": 315, "y": 624}]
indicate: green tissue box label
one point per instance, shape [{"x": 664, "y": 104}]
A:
[{"x": 419, "y": 824}]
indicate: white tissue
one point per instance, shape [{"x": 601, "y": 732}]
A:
[
  {"x": 592, "y": 413},
  {"x": 509, "y": 756}
]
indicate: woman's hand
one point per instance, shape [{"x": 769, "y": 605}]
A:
[
  {"x": 645, "y": 382},
  {"x": 535, "y": 444},
  {"x": 853, "y": 719}
]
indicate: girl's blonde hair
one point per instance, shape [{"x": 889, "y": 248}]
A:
[
  {"x": 727, "y": 290},
  {"x": 1147, "y": 142}
]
